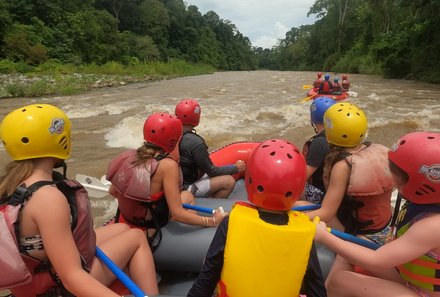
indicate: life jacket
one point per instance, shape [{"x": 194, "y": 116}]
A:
[
  {"x": 263, "y": 259},
  {"x": 136, "y": 206},
  {"x": 337, "y": 88},
  {"x": 326, "y": 87},
  {"x": 316, "y": 178},
  {"x": 317, "y": 82},
  {"x": 366, "y": 207},
  {"x": 423, "y": 272},
  {"x": 39, "y": 277}
]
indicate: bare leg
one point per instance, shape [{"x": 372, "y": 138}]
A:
[
  {"x": 222, "y": 186},
  {"x": 351, "y": 284},
  {"x": 128, "y": 249},
  {"x": 340, "y": 264}
]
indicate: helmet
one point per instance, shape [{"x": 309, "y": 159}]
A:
[
  {"x": 36, "y": 131},
  {"x": 344, "y": 77},
  {"x": 318, "y": 108},
  {"x": 418, "y": 155},
  {"x": 327, "y": 76},
  {"x": 319, "y": 74},
  {"x": 345, "y": 124},
  {"x": 188, "y": 111},
  {"x": 163, "y": 130},
  {"x": 275, "y": 175},
  {"x": 336, "y": 80}
]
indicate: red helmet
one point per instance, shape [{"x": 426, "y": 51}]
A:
[
  {"x": 188, "y": 111},
  {"x": 418, "y": 155},
  {"x": 163, "y": 130},
  {"x": 275, "y": 175},
  {"x": 344, "y": 77},
  {"x": 319, "y": 74}
]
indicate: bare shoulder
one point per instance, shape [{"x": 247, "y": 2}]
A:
[
  {"x": 167, "y": 164},
  {"x": 49, "y": 199}
]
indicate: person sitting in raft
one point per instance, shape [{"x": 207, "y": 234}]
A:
[
  {"x": 58, "y": 244},
  {"x": 326, "y": 87},
  {"x": 315, "y": 149},
  {"x": 337, "y": 88},
  {"x": 264, "y": 248},
  {"x": 345, "y": 83},
  {"x": 318, "y": 80},
  {"x": 147, "y": 181},
  {"x": 358, "y": 181},
  {"x": 410, "y": 264},
  {"x": 200, "y": 176}
]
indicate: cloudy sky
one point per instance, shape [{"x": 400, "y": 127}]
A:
[{"x": 263, "y": 21}]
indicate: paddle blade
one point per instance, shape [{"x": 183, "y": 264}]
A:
[
  {"x": 303, "y": 100},
  {"x": 94, "y": 186},
  {"x": 307, "y": 87}
]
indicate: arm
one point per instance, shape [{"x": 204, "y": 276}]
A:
[
  {"x": 170, "y": 172},
  {"x": 316, "y": 153},
  {"x": 204, "y": 163},
  {"x": 54, "y": 227},
  {"x": 339, "y": 179},
  {"x": 422, "y": 237},
  {"x": 209, "y": 276},
  {"x": 313, "y": 282}
]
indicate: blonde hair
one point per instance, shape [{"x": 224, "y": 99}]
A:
[
  {"x": 15, "y": 173},
  {"x": 146, "y": 152}
]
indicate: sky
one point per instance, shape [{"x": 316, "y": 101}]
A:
[{"x": 262, "y": 21}]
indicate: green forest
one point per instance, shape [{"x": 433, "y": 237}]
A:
[{"x": 393, "y": 38}]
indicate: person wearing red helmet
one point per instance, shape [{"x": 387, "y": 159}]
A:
[
  {"x": 200, "y": 176},
  {"x": 345, "y": 83},
  {"x": 263, "y": 248},
  {"x": 146, "y": 181},
  {"x": 318, "y": 80},
  {"x": 410, "y": 264}
]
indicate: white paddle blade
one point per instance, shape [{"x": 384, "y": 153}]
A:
[{"x": 94, "y": 186}]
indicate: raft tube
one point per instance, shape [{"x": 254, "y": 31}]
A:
[
  {"x": 314, "y": 94},
  {"x": 231, "y": 153}
]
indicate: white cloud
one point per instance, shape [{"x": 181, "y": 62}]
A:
[{"x": 264, "y": 22}]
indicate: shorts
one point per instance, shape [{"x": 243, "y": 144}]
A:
[
  {"x": 201, "y": 188},
  {"x": 313, "y": 194},
  {"x": 380, "y": 237}
]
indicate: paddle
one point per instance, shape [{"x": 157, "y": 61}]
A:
[
  {"x": 96, "y": 185},
  {"x": 124, "y": 278},
  {"x": 98, "y": 189},
  {"x": 307, "y": 87}
]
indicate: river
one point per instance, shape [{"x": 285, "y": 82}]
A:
[{"x": 236, "y": 106}]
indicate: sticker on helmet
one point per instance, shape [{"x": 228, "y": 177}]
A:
[
  {"x": 57, "y": 126},
  {"x": 431, "y": 172}
]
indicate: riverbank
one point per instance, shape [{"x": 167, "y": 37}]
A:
[{"x": 53, "y": 78}]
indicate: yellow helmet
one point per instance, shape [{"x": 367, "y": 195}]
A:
[
  {"x": 345, "y": 125},
  {"x": 36, "y": 131}
]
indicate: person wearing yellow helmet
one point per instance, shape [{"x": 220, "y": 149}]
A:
[
  {"x": 357, "y": 178},
  {"x": 58, "y": 244}
]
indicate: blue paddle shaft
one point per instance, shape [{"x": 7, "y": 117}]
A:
[
  {"x": 134, "y": 289},
  {"x": 354, "y": 239},
  {"x": 211, "y": 211}
]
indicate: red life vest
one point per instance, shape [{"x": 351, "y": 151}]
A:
[
  {"x": 39, "y": 275},
  {"x": 345, "y": 84},
  {"x": 326, "y": 87}
]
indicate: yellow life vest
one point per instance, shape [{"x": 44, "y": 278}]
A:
[{"x": 263, "y": 259}]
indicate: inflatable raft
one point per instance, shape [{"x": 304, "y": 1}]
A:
[
  {"x": 314, "y": 94},
  {"x": 181, "y": 252}
]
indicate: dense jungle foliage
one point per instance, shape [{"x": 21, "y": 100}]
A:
[{"x": 394, "y": 38}]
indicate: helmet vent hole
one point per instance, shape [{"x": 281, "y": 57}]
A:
[
  {"x": 289, "y": 156},
  {"x": 153, "y": 131},
  {"x": 362, "y": 135},
  {"x": 264, "y": 145},
  {"x": 272, "y": 153},
  {"x": 260, "y": 189},
  {"x": 348, "y": 114},
  {"x": 63, "y": 143},
  {"x": 288, "y": 194},
  {"x": 25, "y": 140},
  {"x": 431, "y": 137},
  {"x": 344, "y": 136},
  {"x": 402, "y": 142},
  {"x": 23, "y": 110}
]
